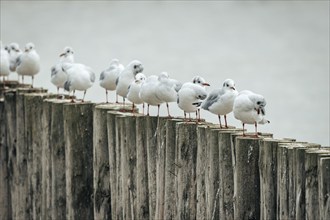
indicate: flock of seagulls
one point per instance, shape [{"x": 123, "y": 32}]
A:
[{"x": 130, "y": 83}]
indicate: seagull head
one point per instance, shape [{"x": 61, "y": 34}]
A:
[
  {"x": 14, "y": 47},
  {"x": 136, "y": 66},
  {"x": 66, "y": 52},
  {"x": 229, "y": 83},
  {"x": 29, "y": 47},
  {"x": 140, "y": 77},
  {"x": 200, "y": 81}
]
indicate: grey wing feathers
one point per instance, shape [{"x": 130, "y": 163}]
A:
[
  {"x": 212, "y": 98},
  {"x": 117, "y": 80},
  {"x": 102, "y": 76},
  {"x": 18, "y": 61},
  {"x": 53, "y": 71},
  {"x": 67, "y": 85},
  {"x": 92, "y": 76}
]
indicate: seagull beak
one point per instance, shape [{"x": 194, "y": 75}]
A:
[
  {"x": 26, "y": 50},
  {"x": 62, "y": 54},
  {"x": 233, "y": 88},
  {"x": 205, "y": 84},
  {"x": 17, "y": 50}
]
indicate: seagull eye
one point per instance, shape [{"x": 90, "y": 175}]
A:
[
  {"x": 199, "y": 81},
  {"x": 135, "y": 66},
  {"x": 258, "y": 103},
  {"x": 194, "y": 81}
]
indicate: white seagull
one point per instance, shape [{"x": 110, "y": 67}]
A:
[
  {"x": 133, "y": 94},
  {"x": 14, "y": 52},
  {"x": 249, "y": 108},
  {"x": 167, "y": 89},
  {"x": 148, "y": 92},
  {"x": 190, "y": 97},
  {"x": 221, "y": 101},
  {"x": 126, "y": 77},
  {"x": 5, "y": 62},
  {"x": 109, "y": 77},
  {"x": 80, "y": 77},
  {"x": 58, "y": 76},
  {"x": 28, "y": 63},
  {"x": 201, "y": 82}
]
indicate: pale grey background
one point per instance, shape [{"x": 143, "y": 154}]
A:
[{"x": 279, "y": 49}]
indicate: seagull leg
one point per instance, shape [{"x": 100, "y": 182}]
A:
[
  {"x": 32, "y": 81},
  {"x": 219, "y": 117},
  {"x": 133, "y": 107},
  {"x": 199, "y": 114},
  {"x": 84, "y": 96},
  {"x": 168, "y": 110},
  {"x": 116, "y": 98},
  {"x": 148, "y": 110},
  {"x": 72, "y": 101},
  {"x": 225, "y": 116},
  {"x": 106, "y": 95},
  {"x": 158, "y": 111},
  {"x": 143, "y": 108},
  {"x": 22, "y": 79},
  {"x": 256, "y": 129},
  {"x": 243, "y": 130}
]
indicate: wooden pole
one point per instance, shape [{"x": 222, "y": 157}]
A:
[
  {"x": 142, "y": 168},
  {"x": 299, "y": 152},
  {"x": 201, "y": 172},
  {"x": 246, "y": 178},
  {"x": 170, "y": 201},
  {"x": 213, "y": 174},
  {"x": 102, "y": 197},
  {"x": 11, "y": 143},
  {"x": 312, "y": 185},
  {"x": 46, "y": 168},
  {"x": 23, "y": 160},
  {"x": 152, "y": 155},
  {"x": 226, "y": 203},
  {"x": 324, "y": 187},
  {"x": 57, "y": 159},
  {"x": 187, "y": 160},
  {"x": 78, "y": 133},
  {"x": 4, "y": 173}
]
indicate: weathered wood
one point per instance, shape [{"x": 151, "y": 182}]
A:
[
  {"x": 213, "y": 174},
  {"x": 4, "y": 174},
  {"x": 33, "y": 107},
  {"x": 312, "y": 185},
  {"x": 201, "y": 172},
  {"x": 46, "y": 166},
  {"x": 226, "y": 203},
  {"x": 160, "y": 167},
  {"x": 152, "y": 156},
  {"x": 170, "y": 203},
  {"x": 268, "y": 177},
  {"x": 11, "y": 143},
  {"x": 102, "y": 197},
  {"x": 78, "y": 133},
  {"x": 187, "y": 160},
  {"x": 299, "y": 152},
  {"x": 246, "y": 178},
  {"x": 324, "y": 187},
  {"x": 24, "y": 153},
  {"x": 142, "y": 169},
  {"x": 57, "y": 159}
]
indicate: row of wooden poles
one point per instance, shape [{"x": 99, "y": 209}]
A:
[{"x": 62, "y": 160}]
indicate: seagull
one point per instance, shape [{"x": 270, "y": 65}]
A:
[
  {"x": 148, "y": 92},
  {"x": 14, "y": 52},
  {"x": 249, "y": 108},
  {"x": 221, "y": 101},
  {"x": 28, "y": 63},
  {"x": 126, "y": 77},
  {"x": 80, "y": 77},
  {"x": 5, "y": 62},
  {"x": 190, "y": 97},
  {"x": 109, "y": 77},
  {"x": 134, "y": 90},
  {"x": 167, "y": 89},
  {"x": 58, "y": 76},
  {"x": 201, "y": 82}
]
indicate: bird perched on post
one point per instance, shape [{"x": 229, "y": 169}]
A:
[
  {"x": 221, "y": 101},
  {"x": 28, "y": 63},
  {"x": 133, "y": 94},
  {"x": 126, "y": 77},
  {"x": 249, "y": 108},
  {"x": 198, "y": 80},
  {"x": 148, "y": 92},
  {"x": 5, "y": 62},
  {"x": 109, "y": 77},
  {"x": 190, "y": 97},
  {"x": 167, "y": 89},
  {"x": 58, "y": 76},
  {"x": 80, "y": 77}
]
